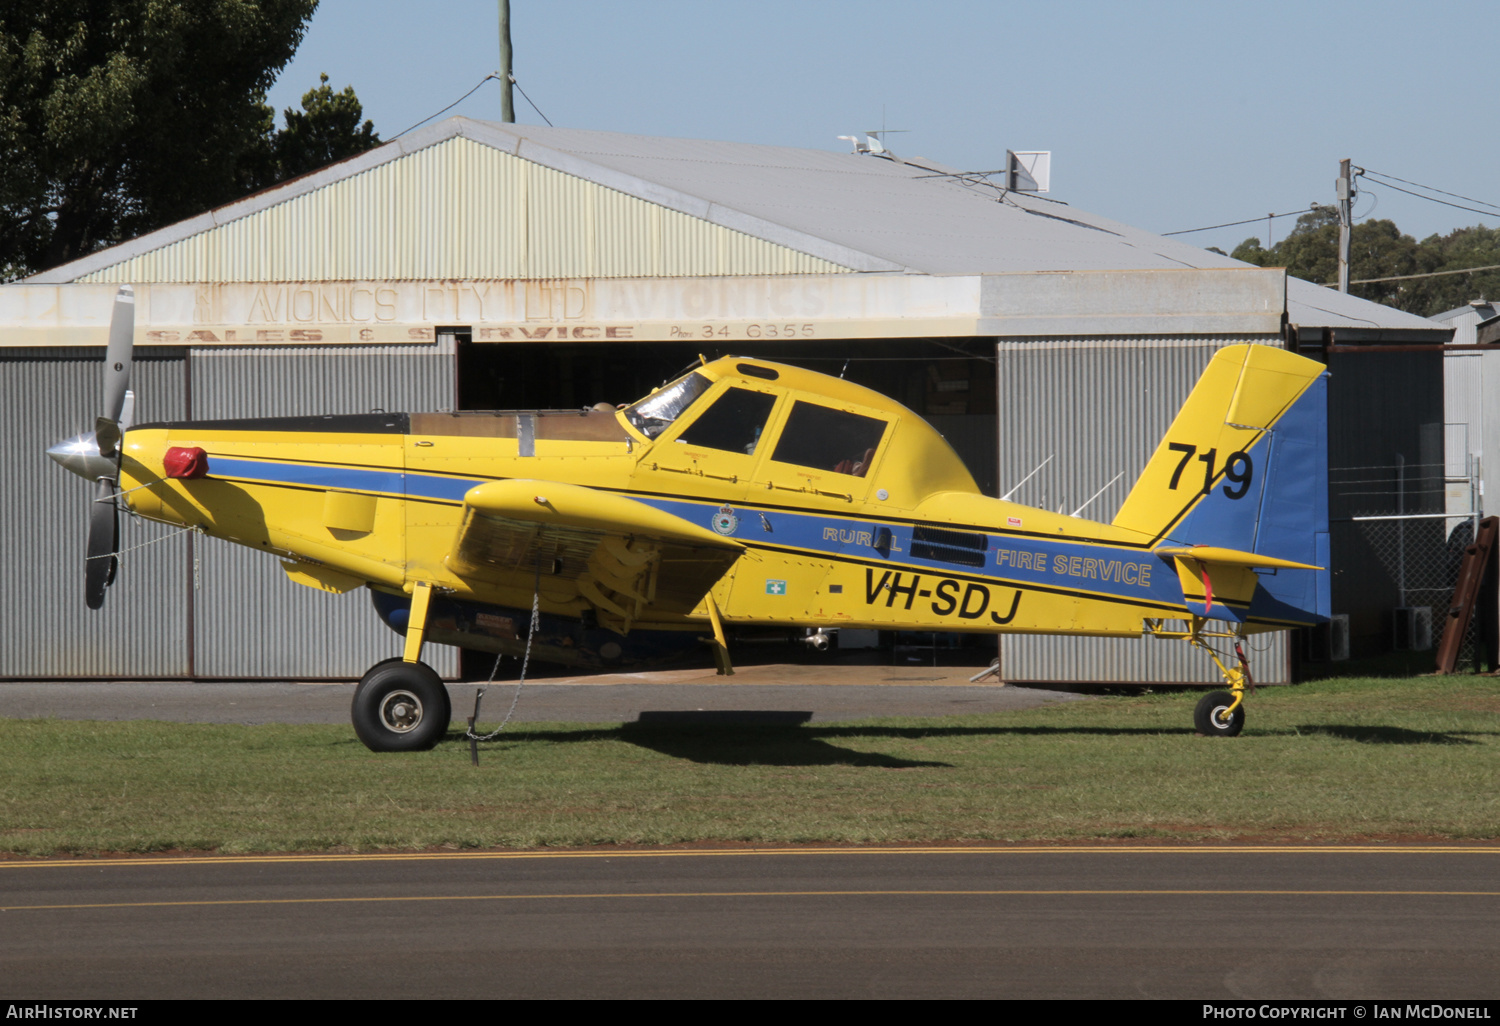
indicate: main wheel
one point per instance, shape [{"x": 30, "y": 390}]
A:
[
  {"x": 1209, "y": 717},
  {"x": 401, "y": 707}
]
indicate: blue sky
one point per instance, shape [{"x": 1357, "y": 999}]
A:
[{"x": 1163, "y": 115}]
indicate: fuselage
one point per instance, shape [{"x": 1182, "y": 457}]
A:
[{"x": 889, "y": 535}]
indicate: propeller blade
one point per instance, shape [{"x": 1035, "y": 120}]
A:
[
  {"x": 127, "y": 413},
  {"x": 117, "y": 371},
  {"x": 114, "y": 544},
  {"x": 103, "y": 543}
]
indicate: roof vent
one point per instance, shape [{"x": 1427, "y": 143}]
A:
[{"x": 1028, "y": 170}]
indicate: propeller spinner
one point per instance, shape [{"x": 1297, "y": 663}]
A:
[{"x": 95, "y": 456}]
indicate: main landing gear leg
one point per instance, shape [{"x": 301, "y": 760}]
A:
[
  {"x": 1222, "y": 713},
  {"x": 401, "y": 704}
]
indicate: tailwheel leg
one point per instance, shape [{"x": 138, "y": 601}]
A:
[{"x": 1221, "y": 713}]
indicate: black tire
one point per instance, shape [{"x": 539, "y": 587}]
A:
[
  {"x": 1207, "y": 717},
  {"x": 401, "y": 707}
]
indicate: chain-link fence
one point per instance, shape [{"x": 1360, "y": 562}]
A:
[{"x": 1400, "y": 531}]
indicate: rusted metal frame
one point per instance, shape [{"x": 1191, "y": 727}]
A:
[{"x": 1461, "y": 609}]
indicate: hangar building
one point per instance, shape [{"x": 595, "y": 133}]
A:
[{"x": 474, "y": 265}]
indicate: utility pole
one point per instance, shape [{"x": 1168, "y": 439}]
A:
[
  {"x": 507, "y": 104},
  {"x": 1344, "y": 189}
]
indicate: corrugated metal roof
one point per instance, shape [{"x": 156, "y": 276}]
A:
[
  {"x": 857, "y": 211},
  {"x": 1317, "y": 306},
  {"x": 458, "y": 209}
]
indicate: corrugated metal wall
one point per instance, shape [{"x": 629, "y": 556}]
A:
[
  {"x": 1099, "y": 407},
  {"x": 51, "y": 395},
  {"x": 461, "y": 209},
  {"x": 1471, "y": 413},
  {"x": 250, "y": 620},
  {"x": 247, "y": 619}
]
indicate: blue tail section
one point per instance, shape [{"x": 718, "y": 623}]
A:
[{"x": 1288, "y": 517}]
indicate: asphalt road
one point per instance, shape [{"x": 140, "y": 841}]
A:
[{"x": 1111, "y": 922}]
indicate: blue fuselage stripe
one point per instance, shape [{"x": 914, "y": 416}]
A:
[
  {"x": 1071, "y": 565},
  {"x": 354, "y": 479},
  {"x": 1076, "y": 566}
]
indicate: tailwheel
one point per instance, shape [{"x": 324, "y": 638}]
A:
[
  {"x": 401, "y": 707},
  {"x": 1219, "y": 714}
]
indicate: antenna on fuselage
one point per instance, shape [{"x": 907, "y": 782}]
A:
[
  {"x": 1028, "y": 477},
  {"x": 1096, "y": 495}
]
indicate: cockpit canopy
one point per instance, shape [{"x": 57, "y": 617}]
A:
[
  {"x": 655, "y": 413},
  {"x": 819, "y": 423}
]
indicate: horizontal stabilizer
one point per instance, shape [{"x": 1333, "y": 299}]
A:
[
  {"x": 1220, "y": 583},
  {"x": 1232, "y": 557}
]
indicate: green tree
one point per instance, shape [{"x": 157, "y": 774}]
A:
[
  {"x": 120, "y": 116},
  {"x": 325, "y": 130},
  {"x": 1459, "y": 249},
  {"x": 1377, "y": 249}
]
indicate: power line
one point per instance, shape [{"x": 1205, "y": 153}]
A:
[
  {"x": 1409, "y": 277},
  {"x": 529, "y": 100},
  {"x": 494, "y": 74},
  {"x": 1434, "y": 199},
  {"x": 1429, "y": 188},
  {"x": 1231, "y": 224}
]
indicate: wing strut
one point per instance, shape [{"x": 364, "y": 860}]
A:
[{"x": 721, "y": 647}]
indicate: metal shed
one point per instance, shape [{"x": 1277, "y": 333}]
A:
[{"x": 473, "y": 263}]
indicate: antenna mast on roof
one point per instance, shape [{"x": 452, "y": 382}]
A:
[{"x": 507, "y": 104}]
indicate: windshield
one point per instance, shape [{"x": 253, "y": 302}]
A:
[{"x": 655, "y": 413}]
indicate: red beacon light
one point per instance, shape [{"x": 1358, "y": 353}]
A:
[{"x": 186, "y": 462}]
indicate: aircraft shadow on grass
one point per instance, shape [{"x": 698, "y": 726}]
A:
[
  {"x": 1370, "y": 735},
  {"x": 732, "y": 737},
  {"x": 784, "y": 738}
]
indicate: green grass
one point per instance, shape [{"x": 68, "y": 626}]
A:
[{"x": 1335, "y": 760}]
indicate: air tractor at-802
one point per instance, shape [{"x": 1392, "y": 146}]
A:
[{"x": 743, "y": 493}]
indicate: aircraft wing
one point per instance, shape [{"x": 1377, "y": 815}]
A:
[{"x": 624, "y": 557}]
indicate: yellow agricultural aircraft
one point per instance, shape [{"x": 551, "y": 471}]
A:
[{"x": 743, "y": 493}]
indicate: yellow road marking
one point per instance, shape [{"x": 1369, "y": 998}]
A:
[
  {"x": 1209, "y": 893},
  {"x": 232, "y": 860}
]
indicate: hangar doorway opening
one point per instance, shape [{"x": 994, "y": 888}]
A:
[{"x": 950, "y": 382}]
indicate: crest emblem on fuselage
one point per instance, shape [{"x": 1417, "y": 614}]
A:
[{"x": 725, "y": 521}]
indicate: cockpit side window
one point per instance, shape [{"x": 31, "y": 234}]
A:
[
  {"x": 826, "y": 439},
  {"x": 655, "y": 413},
  {"x": 733, "y": 422}
]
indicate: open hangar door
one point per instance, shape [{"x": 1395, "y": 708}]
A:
[{"x": 950, "y": 382}]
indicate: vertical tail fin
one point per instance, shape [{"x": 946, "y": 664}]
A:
[{"x": 1244, "y": 466}]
